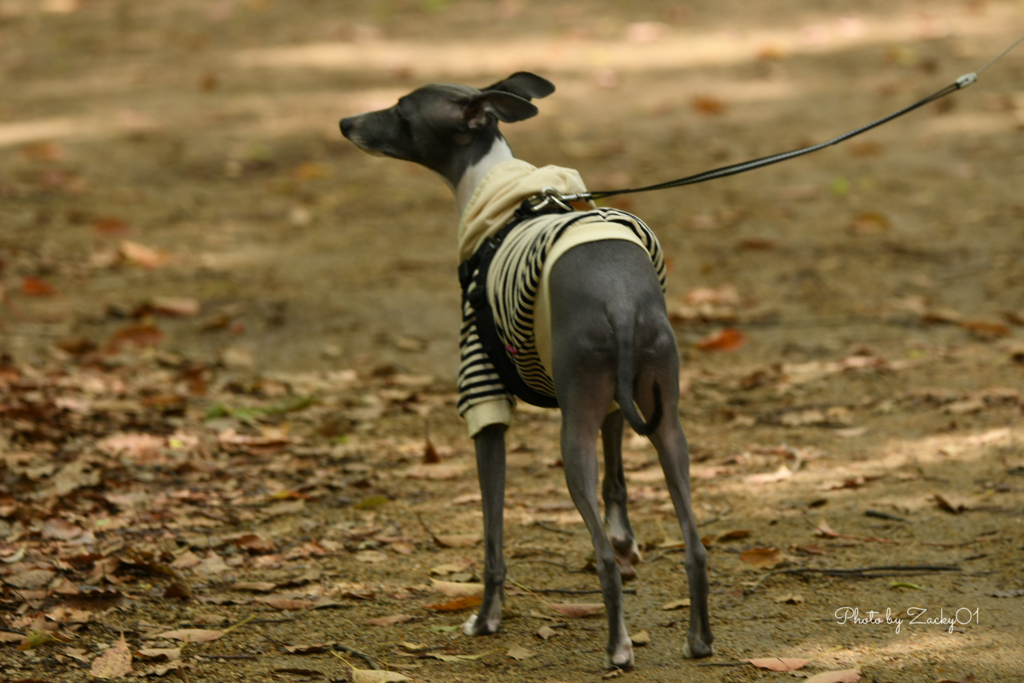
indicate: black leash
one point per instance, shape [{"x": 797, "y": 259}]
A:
[
  {"x": 474, "y": 269},
  {"x": 550, "y": 196}
]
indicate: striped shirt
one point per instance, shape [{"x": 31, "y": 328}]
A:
[{"x": 517, "y": 293}]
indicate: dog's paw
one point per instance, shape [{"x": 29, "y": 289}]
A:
[
  {"x": 621, "y": 658},
  {"x": 697, "y": 651},
  {"x": 474, "y": 626}
]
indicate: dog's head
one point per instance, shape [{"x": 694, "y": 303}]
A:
[{"x": 438, "y": 124}]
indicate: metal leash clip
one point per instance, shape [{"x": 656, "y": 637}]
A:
[{"x": 550, "y": 196}]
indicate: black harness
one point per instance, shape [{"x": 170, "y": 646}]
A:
[{"x": 474, "y": 271}]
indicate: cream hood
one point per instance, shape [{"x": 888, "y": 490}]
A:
[{"x": 500, "y": 193}]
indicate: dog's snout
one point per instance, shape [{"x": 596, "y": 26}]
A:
[{"x": 347, "y": 124}]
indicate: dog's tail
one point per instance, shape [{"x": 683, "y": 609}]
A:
[{"x": 624, "y": 381}]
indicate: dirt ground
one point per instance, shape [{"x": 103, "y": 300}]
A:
[{"x": 228, "y": 341}]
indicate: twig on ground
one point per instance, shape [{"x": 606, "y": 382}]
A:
[
  {"x": 225, "y": 656},
  {"x": 291, "y": 617},
  {"x": 571, "y": 591},
  {"x": 715, "y": 519},
  {"x": 962, "y": 544},
  {"x": 552, "y": 529},
  {"x": 424, "y": 525},
  {"x": 885, "y": 515},
  {"x": 859, "y": 572},
  {"x": 543, "y": 561},
  {"x": 356, "y": 653},
  {"x": 243, "y": 622}
]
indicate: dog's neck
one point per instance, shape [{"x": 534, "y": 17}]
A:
[{"x": 475, "y": 172}]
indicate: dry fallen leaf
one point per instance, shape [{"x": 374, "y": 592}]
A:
[
  {"x": 790, "y": 599},
  {"x": 769, "y": 477},
  {"x": 255, "y": 543},
  {"x": 36, "y": 638},
  {"x": 965, "y": 407},
  {"x": 810, "y": 549},
  {"x": 390, "y": 621},
  {"x": 32, "y": 579},
  {"x": 211, "y": 565},
  {"x": 949, "y": 506},
  {"x": 371, "y": 556},
  {"x": 114, "y": 663},
  {"x": 456, "y": 604},
  {"x": 281, "y": 603},
  {"x": 641, "y": 638},
  {"x": 870, "y": 223},
  {"x": 192, "y": 635},
  {"x": 518, "y": 652},
  {"x": 255, "y": 586},
  {"x": 453, "y": 658},
  {"x": 161, "y": 654},
  {"x": 376, "y": 676},
  {"x": 728, "y": 339},
  {"x": 449, "y": 568},
  {"x": 676, "y": 604},
  {"x": 175, "y": 306},
  {"x": 142, "y": 255},
  {"x": 437, "y": 472},
  {"x": 546, "y": 632},
  {"x": 34, "y": 286},
  {"x": 430, "y": 456},
  {"x": 823, "y": 529},
  {"x": 456, "y": 540},
  {"x": 309, "y": 649},
  {"x": 457, "y": 590},
  {"x": 43, "y": 151},
  {"x": 986, "y": 329},
  {"x": 766, "y": 558},
  {"x": 144, "y": 335},
  {"x": 308, "y": 674},
  {"x": 78, "y": 654},
  {"x": 110, "y": 226},
  {"x": 60, "y": 529},
  {"x": 726, "y": 295},
  {"x": 179, "y": 590},
  {"x": 708, "y": 105},
  {"x": 142, "y": 448},
  {"x": 18, "y": 556}
]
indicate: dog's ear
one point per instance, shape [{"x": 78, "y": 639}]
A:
[
  {"x": 504, "y": 106},
  {"x": 524, "y": 84}
]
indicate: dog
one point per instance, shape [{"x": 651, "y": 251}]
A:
[{"x": 609, "y": 339}]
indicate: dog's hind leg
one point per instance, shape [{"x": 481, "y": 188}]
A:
[
  {"x": 490, "y": 465},
  {"x": 673, "y": 453},
  {"x": 582, "y": 413},
  {"x": 584, "y": 374},
  {"x": 614, "y": 491}
]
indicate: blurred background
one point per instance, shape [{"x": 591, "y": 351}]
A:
[{"x": 173, "y": 172}]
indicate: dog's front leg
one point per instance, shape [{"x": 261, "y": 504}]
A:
[{"x": 490, "y": 467}]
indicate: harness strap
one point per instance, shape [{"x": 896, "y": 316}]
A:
[{"x": 474, "y": 271}]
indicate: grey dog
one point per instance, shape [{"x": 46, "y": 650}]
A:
[{"x": 601, "y": 293}]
